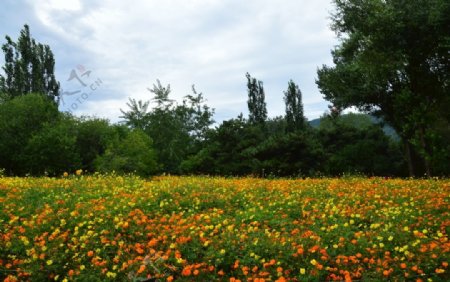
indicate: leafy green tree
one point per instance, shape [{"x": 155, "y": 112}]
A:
[
  {"x": 177, "y": 129},
  {"x": 276, "y": 126},
  {"x": 132, "y": 154},
  {"x": 3, "y": 97},
  {"x": 228, "y": 150},
  {"x": 256, "y": 101},
  {"x": 53, "y": 149},
  {"x": 137, "y": 115},
  {"x": 166, "y": 126},
  {"x": 354, "y": 144},
  {"x": 197, "y": 116},
  {"x": 161, "y": 123},
  {"x": 92, "y": 138},
  {"x": 298, "y": 153},
  {"x": 20, "y": 119},
  {"x": 29, "y": 68},
  {"x": 393, "y": 61},
  {"x": 295, "y": 118}
]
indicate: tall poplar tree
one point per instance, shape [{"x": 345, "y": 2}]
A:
[
  {"x": 295, "y": 119},
  {"x": 29, "y": 68},
  {"x": 256, "y": 101}
]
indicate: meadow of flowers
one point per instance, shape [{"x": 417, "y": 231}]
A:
[{"x": 100, "y": 228}]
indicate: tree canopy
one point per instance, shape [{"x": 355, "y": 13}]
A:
[
  {"x": 29, "y": 68},
  {"x": 393, "y": 61},
  {"x": 295, "y": 118},
  {"x": 257, "y": 109}
]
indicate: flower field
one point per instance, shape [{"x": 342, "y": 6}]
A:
[{"x": 100, "y": 228}]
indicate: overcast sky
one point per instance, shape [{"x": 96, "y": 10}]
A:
[{"x": 127, "y": 45}]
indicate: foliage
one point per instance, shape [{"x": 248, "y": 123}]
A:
[
  {"x": 393, "y": 61},
  {"x": 20, "y": 119},
  {"x": 229, "y": 150},
  {"x": 374, "y": 70},
  {"x": 92, "y": 138},
  {"x": 177, "y": 129},
  {"x": 294, "y": 107},
  {"x": 132, "y": 154},
  {"x": 216, "y": 229},
  {"x": 36, "y": 139},
  {"x": 137, "y": 116},
  {"x": 353, "y": 144},
  {"x": 53, "y": 149},
  {"x": 256, "y": 101},
  {"x": 297, "y": 153},
  {"x": 29, "y": 68}
]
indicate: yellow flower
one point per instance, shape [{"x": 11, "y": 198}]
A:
[
  {"x": 49, "y": 262},
  {"x": 302, "y": 271},
  {"x": 79, "y": 172},
  {"x": 313, "y": 262},
  {"x": 65, "y": 174}
]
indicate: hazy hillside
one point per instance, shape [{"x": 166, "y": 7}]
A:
[{"x": 361, "y": 120}]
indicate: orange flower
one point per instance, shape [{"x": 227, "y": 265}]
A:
[
  {"x": 245, "y": 270},
  {"x": 186, "y": 271},
  {"x": 153, "y": 242},
  {"x": 272, "y": 262},
  {"x": 169, "y": 279},
  {"x": 279, "y": 269},
  {"x": 90, "y": 253},
  {"x": 10, "y": 278},
  {"x": 141, "y": 269},
  {"x": 196, "y": 272},
  {"x": 403, "y": 265},
  {"x": 314, "y": 249},
  {"x": 138, "y": 248}
]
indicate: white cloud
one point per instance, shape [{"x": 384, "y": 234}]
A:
[{"x": 208, "y": 43}]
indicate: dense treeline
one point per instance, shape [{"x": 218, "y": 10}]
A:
[
  {"x": 37, "y": 139},
  {"x": 397, "y": 74}
]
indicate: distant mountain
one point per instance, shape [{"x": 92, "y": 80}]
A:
[
  {"x": 315, "y": 122},
  {"x": 360, "y": 121}
]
